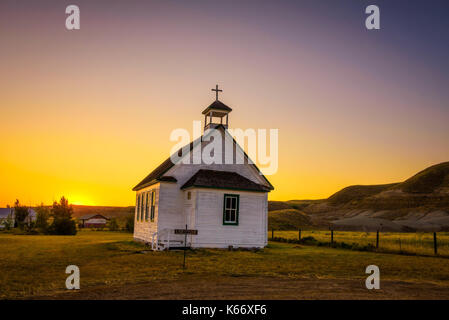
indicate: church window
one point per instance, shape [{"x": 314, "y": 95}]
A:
[
  {"x": 231, "y": 209},
  {"x": 147, "y": 204},
  {"x": 153, "y": 202},
  {"x": 137, "y": 206},
  {"x": 142, "y": 199}
]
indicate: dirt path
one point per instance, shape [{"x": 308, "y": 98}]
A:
[{"x": 196, "y": 288}]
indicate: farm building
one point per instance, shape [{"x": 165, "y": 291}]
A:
[
  {"x": 223, "y": 203},
  {"x": 93, "y": 221},
  {"x": 5, "y": 212}
]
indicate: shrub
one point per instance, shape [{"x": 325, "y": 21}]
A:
[
  {"x": 21, "y": 213},
  {"x": 62, "y": 227},
  {"x": 63, "y": 224},
  {"x": 113, "y": 226},
  {"x": 130, "y": 223},
  {"x": 42, "y": 215}
]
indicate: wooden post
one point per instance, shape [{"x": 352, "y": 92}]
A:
[
  {"x": 299, "y": 234},
  {"x": 332, "y": 236},
  {"x": 435, "y": 248},
  {"x": 400, "y": 246},
  {"x": 185, "y": 249},
  {"x": 377, "y": 239},
  {"x": 272, "y": 233}
]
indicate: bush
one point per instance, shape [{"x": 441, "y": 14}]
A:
[
  {"x": 130, "y": 223},
  {"x": 63, "y": 224},
  {"x": 62, "y": 227},
  {"x": 113, "y": 225},
  {"x": 42, "y": 215},
  {"x": 21, "y": 213}
]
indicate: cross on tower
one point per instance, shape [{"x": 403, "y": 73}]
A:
[{"x": 216, "y": 91}]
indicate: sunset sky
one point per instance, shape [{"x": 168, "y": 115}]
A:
[{"x": 88, "y": 113}]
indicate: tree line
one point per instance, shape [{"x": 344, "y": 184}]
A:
[{"x": 56, "y": 219}]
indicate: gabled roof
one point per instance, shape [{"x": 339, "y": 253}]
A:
[
  {"x": 217, "y": 105},
  {"x": 157, "y": 175},
  {"x": 89, "y": 216},
  {"x": 223, "y": 180}
]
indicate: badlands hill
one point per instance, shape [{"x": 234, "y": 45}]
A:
[{"x": 421, "y": 203}]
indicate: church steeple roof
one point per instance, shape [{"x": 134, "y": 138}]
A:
[{"x": 217, "y": 105}]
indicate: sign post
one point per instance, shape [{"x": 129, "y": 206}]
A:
[
  {"x": 185, "y": 232},
  {"x": 185, "y": 249}
]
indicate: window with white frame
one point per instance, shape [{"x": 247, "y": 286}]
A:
[{"x": 231, "y": 209}]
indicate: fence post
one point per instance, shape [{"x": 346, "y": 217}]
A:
[
  {"x": 377, "y": 239},
  {"x": 299, "y": 234},
  {"x": 435, "y": 248},
  {"x": 332, "y": 236},
  {"x": 272, "y": 233}
]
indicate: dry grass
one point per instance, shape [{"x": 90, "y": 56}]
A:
[
  {"x": 35, "y": 265},
  {"x": 409, "y": 243}
]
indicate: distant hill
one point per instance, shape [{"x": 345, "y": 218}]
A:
[
  {"x": 431, "y": 180},
  {"x": 110, "y": 212},
  {"x": 288, "y": 219},
  {"x": 419, "y": 203},
  {"x": 356, "y": 193},
  {"x": 434, "y": 179}
]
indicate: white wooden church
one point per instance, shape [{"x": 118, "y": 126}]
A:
[{"x": 223, "y": 204}]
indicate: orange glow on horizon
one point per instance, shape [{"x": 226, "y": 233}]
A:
[{"x": 88, "y": 114}]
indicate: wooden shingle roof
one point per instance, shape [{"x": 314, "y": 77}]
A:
[
  {"x": 157, "y": 175},
  {"x": 89, "y": 216},
  {"x": 223, "y": 180},
  {"x": 217, "y": 105}
]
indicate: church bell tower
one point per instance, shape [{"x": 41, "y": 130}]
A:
[{"x": 214, "y": 114}]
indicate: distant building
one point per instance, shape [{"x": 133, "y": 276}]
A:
[
  {"x": 5, "y": 212},
  {"x": 93, "y": 221}
]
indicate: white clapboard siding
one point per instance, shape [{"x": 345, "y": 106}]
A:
[
  {"x": 250, "y": 232},
  {"x": 171, "y": 209}
]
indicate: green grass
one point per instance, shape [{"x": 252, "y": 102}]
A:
[
  {"x": 35, "y": 265},
  {"x": 408, "y": 243}
]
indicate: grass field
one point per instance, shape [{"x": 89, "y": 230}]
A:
[
  {"x": 409, "y": 243},
  {"x": 34, "y": 266}
]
